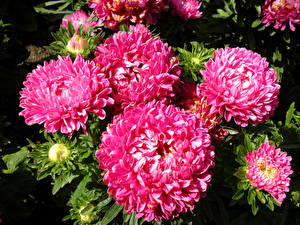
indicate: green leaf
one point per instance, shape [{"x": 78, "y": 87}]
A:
[
  {"x": 289, "y": 114},
  {"x": 71, "y": 28},
  {"x": 13, "y": 160},
  {"x": 251, "y": 197},
  {"x": 81, "y": 30},
  {"x": 62, "y": 180},
  {"x": 111, "y": 214},
  {"x": 238, "y": 195},
  {"x": 261, "y": 197},
  {"x": 256, "y": 23},
  {"x": 270, "y": 204},
  {"x": 247, "y": 143},
  {"x": 80, "y": 188},
  {"x": 254, "y": 208},
  {"x": 103, "y": 203},
  {"x": 133, "y": 220},
  {"x": 124, "y": 27}
]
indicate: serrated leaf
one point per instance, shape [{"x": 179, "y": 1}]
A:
[
  {"x": 13, "y": 160},
  {"x": 247, "y": 143},
  {"x": 62, "y": 180},
  {"x": 81, "y": 30},
  {"x": 251, "y": 197},
  {"x": 103, "y": 203},
  {"x": 112, "y": 212},
  {"x": 238, "y": 195},
  {"x": 124, "y": 27},
  {"x": 289, "y": 114}
]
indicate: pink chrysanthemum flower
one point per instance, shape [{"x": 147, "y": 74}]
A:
[
  {"x": 61, "y": 93},
  {"x": 185, "y": 8},
  {"x": 281, "y": 12},
  {"x": 189, "y": 97},
  {"x": 78, "y": 18},
  {"x": 157, "y": 159},
  {"x": 269, "y": 170},
  {"x": 139, "y": 67},
  {"x": 238, "y": 83},
  {"x": 113, "y": 13}
]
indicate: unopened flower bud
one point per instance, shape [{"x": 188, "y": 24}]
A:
[
  {"x": 58, "y": 152},
  {"x": 77, "y": 44}
]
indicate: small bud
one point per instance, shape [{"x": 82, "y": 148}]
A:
[
  {"x": 58, "y": 152},
  {"x": 77, "y": 44},
  {"x": 85, "y": 218},
  {"x": 195, "y": 60}
]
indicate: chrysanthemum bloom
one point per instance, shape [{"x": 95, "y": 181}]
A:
[
  {"x": 139, "y": 67},
  {"x": 78, "y": 18},
  {"x": 61, "y": 93},
  {"x": 238, "y": 83},
  {"x": 185, "y": 8},
  {"x": 157, "y": 160},
  {"x": 269, "y": 170},
  {"x": 113, "y": 13},
  {"x": 189, "y": 97},
  {"x": 77, "y": 44},
  {"x": 281, "y": 12}
]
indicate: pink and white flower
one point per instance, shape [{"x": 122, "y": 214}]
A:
[
  {"x": 113, "y": 13},
  {"x": 78, "y": 18},
  {"x": 157, "y": 160},
  {"x": 139, "y": 67},
  {"x": 62, "y": 93},
  {"x": 269, "y": 170},
  {"x": 281, "y": 13},
  {"x": 240, "y": 84},
  {"x": 186, "y": 9}
]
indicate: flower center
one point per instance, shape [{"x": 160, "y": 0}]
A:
[
  {"x": 268, "y": 170},
  {"x": 163, "y": 149}
]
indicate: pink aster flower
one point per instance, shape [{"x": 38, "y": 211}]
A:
[
  {"x": 281, "y": 12},
  {"x": 238, "y": 83},
  {"x": 157, "y": 160},
  {"x": 113, "y": 13},
  {"x": 78, "y": 18},
  {"x": 61, "y": 93},
  {"x": 269, "y": 170},
  {"x": 185, "y": 8},
  {"x": 189, "y": 97},
  {"x": 139, "y": 67}
]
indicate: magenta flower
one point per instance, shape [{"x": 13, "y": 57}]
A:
[
  {"x": 281, "y": 12},
  {"x": 61, "y": 93},
  {"x": 113, "y": 13},
  {"x": 157, "y": 160},
  {"x": 185, "y": 8},
  {"x": 139, "y": 67},
  {"x": 269, "y": 170},
  {"x": 78, "y": 18},
  {"x": 190, "y": 98},
  {"x": 238, "y": 83}
]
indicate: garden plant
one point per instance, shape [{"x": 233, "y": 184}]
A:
[{"x": 150, "y": 112}]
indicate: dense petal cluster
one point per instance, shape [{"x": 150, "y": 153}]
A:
[
  {"x": 139, "y": 67},
  {"x": 78, "y": 18},
  {"x": 238, "y": 83},
  {"x": 157, "y": 160},
  {"x": 190, "y": 98},
  {"x": 61, "y": 93},
  {"x": 186, "y": 9},
  {"x": 281, "y": 12},
  {"x": 113, "y": 13},
  {"x": 269, "y": 170}
]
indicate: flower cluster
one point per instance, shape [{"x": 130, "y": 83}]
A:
[
  {"x": 157, "y": 160},
  {"x": 140, "y": 67},
  {"x": 239, "y": 84},
  {"x": 281, "y": 12},
  {"x": 269, "y": 170},
  {"x": 113, "y": 13},
  {"x": 61, "y": 93}
]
